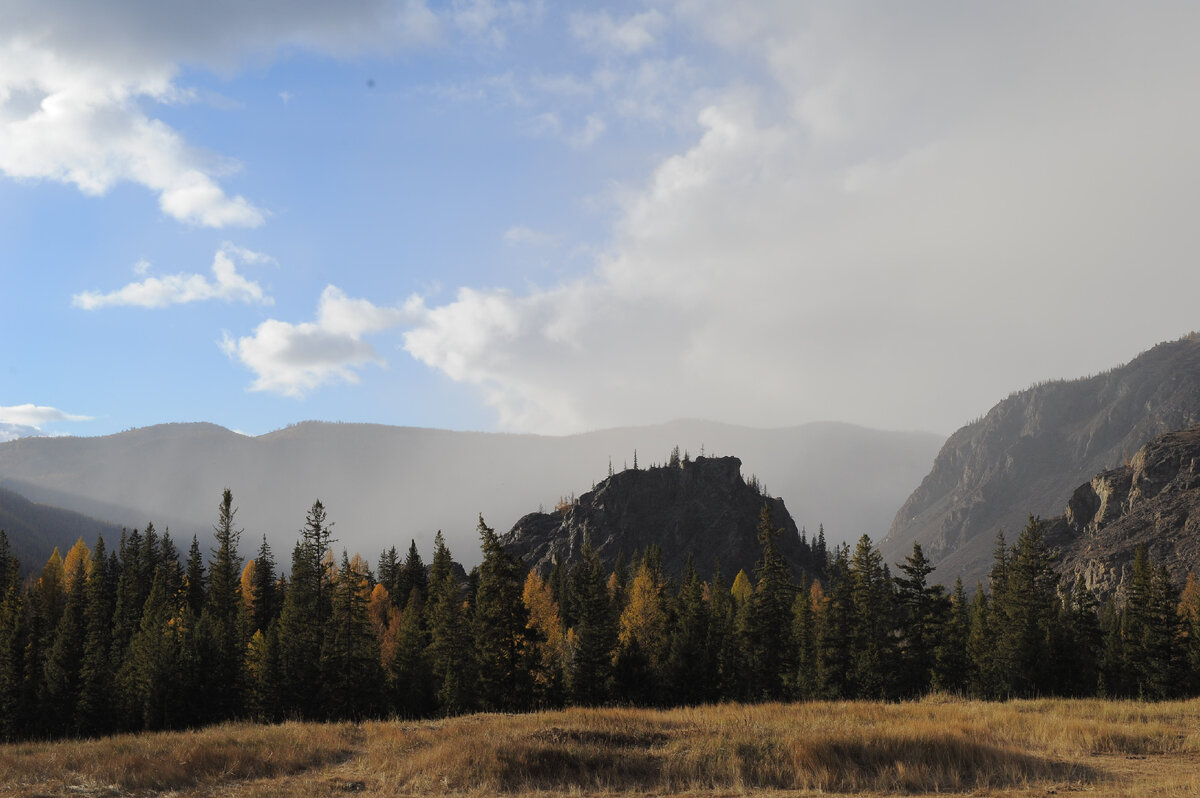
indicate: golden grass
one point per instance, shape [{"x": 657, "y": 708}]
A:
[{"x": 936, "y": 745}]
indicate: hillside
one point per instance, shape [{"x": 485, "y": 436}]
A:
[
  {"x": 1030, "y": 452},
  {"x": 1153, "y": 501},
  {"x": 33, "y": 530},
  {"x": 700, "y": 508},
  {"x": 384, "y": 485}
]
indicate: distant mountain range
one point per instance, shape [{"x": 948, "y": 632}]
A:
[
  {"x": 1032, "y": 450},
  {"x": 383, "y": 485}
]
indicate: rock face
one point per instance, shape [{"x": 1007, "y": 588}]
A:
[
  {"x": 1152, "y": 501},
  {"x": 701, "y": 508},
  {"x": 1028, "y": 454}
]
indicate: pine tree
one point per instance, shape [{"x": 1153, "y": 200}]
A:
[
  {"x": 871, "y": 628},
  {"x": 196, "y": 580},
  {"x": 1025, "y": 610},
  {"x": 449, "y": 650},
  {"x": 13, "y": 633},
  {"x": 952, "y": 666},
  {"x": 769, "y": 624},
  {"x": 306, "y": 607},
  {"x": 148, "y": 677},
  {"x": 412, "y": 575},
  {"x": 388, "y": 573},
  {"x": 504, "y": 648},
  {"x": 723, "y": 647},
  {"x": 835, "y": 630},
  {"x": 592, "y": 639},
  {"x": 93, "y": 714},
  {"x": 222, "y": 618},
  {"x": 690, "y": 665},
  {"x": 412, "y": 680},
  {"x": 922, "y": 609},
  {"x": 62, "y": 683},
  {"x": 805, "y": 683},
  {"x": 264, "y": 589},
  {"x": 351, "y": 674}
]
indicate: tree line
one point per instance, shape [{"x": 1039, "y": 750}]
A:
[{"x": 141, "y": 638}]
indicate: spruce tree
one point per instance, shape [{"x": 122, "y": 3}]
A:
[
  {"x": 13, "y": 635},
  {"x": 768, "y": 639},
  {"x": 222, "y": 618},
  {"x": 449, "y": 650},
  {"x": 412, "y": 575},
  {"x": 61, "y": 686},
  {"x": 93, "y": 713},
  {"x": 952, "y": 666},
  {"x": 196, "y": 579},
  {"x": 351, "y": 675},
  {"x": 805, "y": 683},
  {"x": 690, "y": 667},
  {"x": 264, "y": 596},
  {"x": 836, "y": 630},
  {"x": 872, "y": 661},
  {"x": 504, "y": 648},
  {"x": 592, "y": 639},
  {"x": 921, "y": 614}
]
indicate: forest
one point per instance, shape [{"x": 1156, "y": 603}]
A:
[{"x": 140, "y": 638}]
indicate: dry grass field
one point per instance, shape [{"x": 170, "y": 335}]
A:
[{"x": 934, "y": 746}]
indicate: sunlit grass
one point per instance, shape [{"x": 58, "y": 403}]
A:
[{"x": 930, "y": 746}]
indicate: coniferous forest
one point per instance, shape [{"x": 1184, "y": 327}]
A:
[{"x": 136, "y": 634}]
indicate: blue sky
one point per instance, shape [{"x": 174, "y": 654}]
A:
[{"x": 542, "y": 217}]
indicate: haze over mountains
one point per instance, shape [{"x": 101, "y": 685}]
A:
[
  {"x": 1033, "y": 449},
  {"x": 383, "y": 485}
]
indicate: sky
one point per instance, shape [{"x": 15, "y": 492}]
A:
[{"x": 551, "y": 218}]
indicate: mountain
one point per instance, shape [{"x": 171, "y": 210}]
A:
[
  {"x": 699, "y": 508},
  {"x": 383, "y": 485},
  {"x": 33, "y": 530},
  {"x": 1152, "y": 501},
  {"x": 1030, "y": 452}
]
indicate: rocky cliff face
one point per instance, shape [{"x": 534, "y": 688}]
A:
[
  {"x": 701, "y": 508},
  {"x": 1031, "y": 451},
  {"x": 1152, "y": 501}
]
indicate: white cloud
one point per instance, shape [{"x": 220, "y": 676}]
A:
[
  {"x": 29, "y": 420},
  {"x": 177, "y": 289},
  {"x": 521, "y": 234},
  {"x": 294, "y": 359},
  {"x": 894, "y": 227},
  {"x": 593, "y": 128},
  {"x": 77, "y": 80},
  {"x": 600, "y": 32}
]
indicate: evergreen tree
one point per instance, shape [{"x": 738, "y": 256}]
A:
[
  {"x": 388, "y": 573},
  {"x": 922, "y": 612},
  {"x": 410, "y": 675},
  {"x": 196, "y": 580},
  {"x": 351, "y": 674},
  {"x": 148, "y": 677},
  {"x": 262, "y": 674},
  {"x": 504, "y": 648},
  {"x": 9, "y": 570},
  {"x": 306, "y": 607},
  {"x": 770, "y": 654},
  {"x": 835, "y": 630},
  {"x": 690, "y": 664},
  {"x": 806, "y": 681},
  {"x": 952, "y": 666},
  {"x": 412, "y": 575},
  {"x": 61, "y": 684},
  {"x": 13, "y": 631},
  {"x": 722, "y": 639},
  {"x": 591, "y": 640},
  {"x": 93, "y": 714},
  {"x": 222, "y": 618},
  {"x": 1025, "y": 606},
  {"x": 449, "y": 636},
  {"x": 264, "y": 589},
  {"x": 873, "y": 656}
]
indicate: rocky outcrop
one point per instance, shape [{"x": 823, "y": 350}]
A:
[
  {"x": 1153, "y": 501},
  {"x": 700, "y": 508},
  {"x": 1032, "y": 450}
]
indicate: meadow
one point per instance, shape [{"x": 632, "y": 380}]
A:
[{"x": 932, "y": 746}]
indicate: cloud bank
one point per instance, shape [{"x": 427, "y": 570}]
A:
[
  {"x": 79, "y": 82},
  {"x": 915, "y": 211}
]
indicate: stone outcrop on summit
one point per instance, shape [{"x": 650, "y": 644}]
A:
[{"x": 700, "y": 508}]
